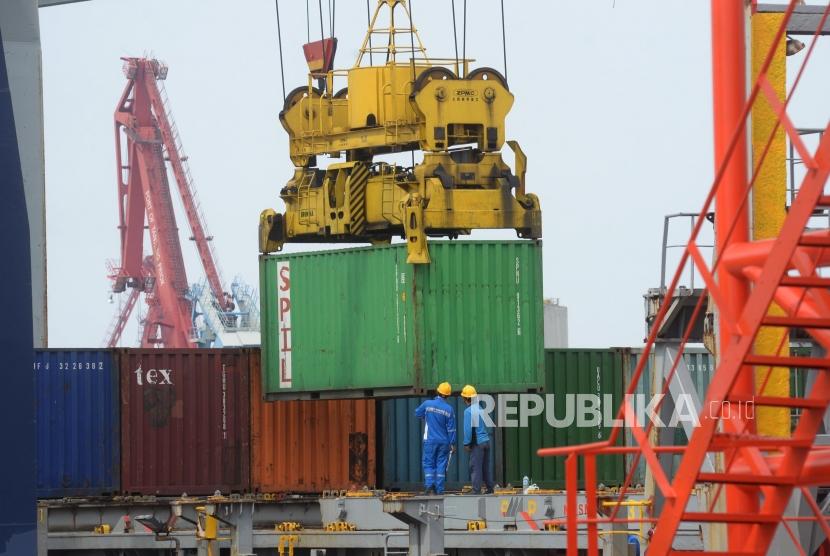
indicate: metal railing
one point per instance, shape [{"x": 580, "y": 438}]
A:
[
  {"x": 794, "y": 161},
  {"x": 666, "y": 246}
]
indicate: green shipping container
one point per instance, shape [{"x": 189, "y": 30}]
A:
[
  {"x": 363, "y": 323},
  {"x": 597, "y": 372}
]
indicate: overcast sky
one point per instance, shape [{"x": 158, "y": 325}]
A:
[{"x": 613, "y": 108}]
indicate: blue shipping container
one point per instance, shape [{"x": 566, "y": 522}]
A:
[
  {"x": 402, "y": 442},
  {"x": 78, "y": 432}
]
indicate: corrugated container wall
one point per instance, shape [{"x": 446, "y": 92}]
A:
[
  {"x": 567, "y": 371},
  {"x": 403, "y": 439},
  {"x": 77, "y": 423},
  {"x": 185, "y": 421},
  {"x": 310, "y": 446},
  {"x": 363, "y": 322},
  {"x": 701, "y": 365}
]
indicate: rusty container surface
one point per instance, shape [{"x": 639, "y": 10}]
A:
[
  {"x": 185, "y": 421},
  {"x": 310, "y": 446}
]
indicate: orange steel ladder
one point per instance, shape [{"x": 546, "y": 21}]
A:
[{"x": 766, "y": 471}]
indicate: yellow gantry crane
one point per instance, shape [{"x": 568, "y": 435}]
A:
[{"x": 418, "y": 104}]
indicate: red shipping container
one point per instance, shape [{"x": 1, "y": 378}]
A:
[
  {"x": 310, "y": 446},
  {"x": 185, "y": 421}
]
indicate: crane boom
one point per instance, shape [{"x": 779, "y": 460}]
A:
[
  {"x": 181, "y": 172},
  {"x": 178, "y": 315},
  {"x": 143, "y": 189}
]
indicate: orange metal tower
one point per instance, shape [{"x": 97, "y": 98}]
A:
[{"x": 760, "y": 474}]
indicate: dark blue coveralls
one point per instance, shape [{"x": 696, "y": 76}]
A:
[{"x": 439, "y": 435}]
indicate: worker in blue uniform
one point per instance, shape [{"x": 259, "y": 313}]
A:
[
  {"x": 439, "y": 438},
  {"x": 476, "y": 442}
]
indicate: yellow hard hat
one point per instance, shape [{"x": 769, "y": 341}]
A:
[
  {"x": 468, "y": 392},
  {"x": 444, "y": 389}
]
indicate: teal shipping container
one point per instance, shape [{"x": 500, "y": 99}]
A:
[
  {"x": 402, "y": 436},
  {"x": 573, "y": 377},
  {"x": 77, "y": 423},
  {"x": 364, "y": 323},
  {"x": 701, "y": 365}
]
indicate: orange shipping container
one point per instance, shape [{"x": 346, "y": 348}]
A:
[{"x": 310, "y": 446}]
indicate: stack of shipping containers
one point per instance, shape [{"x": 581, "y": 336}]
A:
[
  {"x": 353, "y": 341},
  {"x": 169, "y": 422},
  {"x": 172, "y": 422},
  {"x": 365, "y": 323},
  {"x": 341, "y": 329}
]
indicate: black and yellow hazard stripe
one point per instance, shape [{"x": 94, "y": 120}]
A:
[{"x": 358, "y": 180}]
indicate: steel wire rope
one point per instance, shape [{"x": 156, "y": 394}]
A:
[
  {"x": 322, "y": 41},
  {"x": 412, "y": 58},
  {"x": 503, "y": 40},
  {"x": 464, "y": 36},
  {"x": 390, "y": 40},
  {"x": 279, "y": 43},
  {"x": 307, "y": 22},
  {"x": 454, "y": 38},
  {"x": 369, "y": 23}
]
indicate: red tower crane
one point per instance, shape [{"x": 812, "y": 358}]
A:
[
  {"x": 758, "y": 475},
  {"x": 145, "y": 138}
]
